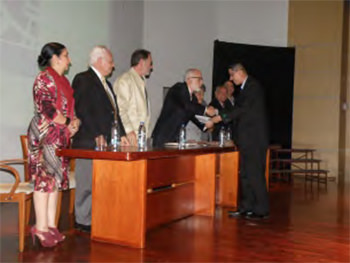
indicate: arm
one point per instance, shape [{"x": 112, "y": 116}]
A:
[
  {"x": 200, "y": 125},
  {"x": 45, "y": 97},
  {"x": 123, "y": 92},
  {"x": 246, "y": 102},
  {"x": 191, "y": 107},
  {"x": 86, "y": 108}
]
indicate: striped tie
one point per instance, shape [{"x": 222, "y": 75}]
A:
[{"x": 110, "y": 96}]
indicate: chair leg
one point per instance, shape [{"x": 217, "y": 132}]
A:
[
  {"x": 71, "y": 201},
  {"x": 58, "y": 209},
  {"x": 28, "y": 210},
  {"x": 21, "y": 221}
]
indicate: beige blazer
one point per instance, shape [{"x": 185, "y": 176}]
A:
[{"x": 132, "y": 101}]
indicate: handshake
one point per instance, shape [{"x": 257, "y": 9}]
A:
[{"x": 212, "y": 112}]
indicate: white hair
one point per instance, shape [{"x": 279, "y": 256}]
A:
[
  {"x": 96, "y": 53},
  {"x": 190, "y": 72}
]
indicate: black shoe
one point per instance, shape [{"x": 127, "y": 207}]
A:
[
  {"x": 238, "y": 213},
  {"x": 255, "y": 216},
  {"x": 82, "y": 228}
]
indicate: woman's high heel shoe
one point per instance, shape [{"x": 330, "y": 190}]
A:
[
  {"x": 56, "y": 234},
  {"x": 46, "y": 239}
]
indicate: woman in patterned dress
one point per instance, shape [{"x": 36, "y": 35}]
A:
[{"x": 51, "y": 128}]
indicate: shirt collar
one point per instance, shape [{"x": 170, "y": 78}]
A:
[
  {"x": 99, "y": 75},
  {"x": 242, "y": 86},
  {"x": 133, "y": 71}
]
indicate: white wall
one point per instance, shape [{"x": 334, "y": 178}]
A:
[
  {"x": 181, "y": 34},
  {"x": 26, "y": 26},
  {"x": 254, "y": 22},
  {"x": 125, "y": 32}
]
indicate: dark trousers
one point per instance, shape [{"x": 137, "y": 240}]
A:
[{"x": 253, "y": 191}]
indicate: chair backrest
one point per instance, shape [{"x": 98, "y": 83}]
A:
[
  {"x": 24, "y": 144},
  {"x": 72, "y": 165}
]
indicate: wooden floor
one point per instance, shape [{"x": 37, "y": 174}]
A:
[{"x": 307, "y": 224}]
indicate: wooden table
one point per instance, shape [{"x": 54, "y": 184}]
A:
[{"x": 135, "y": 190}]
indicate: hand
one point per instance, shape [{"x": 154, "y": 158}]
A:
[
  {"x": 76, "y": 122},
  {"x": 216, "y": 119},
  {"x": 209, "y": 124},
  {"x": 211, "y": 111},
  {"x": 131, "y": 136},
  {"x": 124, "y": 141},
  {"x": 73, "y": 127}
]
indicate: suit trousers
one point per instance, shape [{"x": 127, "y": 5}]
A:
[
  {"x": 253, "y": 191},
  {"x": 83, "y": 190}
]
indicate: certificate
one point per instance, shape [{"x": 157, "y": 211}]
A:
[{"x": 202, "y": 119}]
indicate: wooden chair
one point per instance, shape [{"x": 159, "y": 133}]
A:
[
  {"x": 71, "y": 176},
  {"x": 17, "y": 192}
]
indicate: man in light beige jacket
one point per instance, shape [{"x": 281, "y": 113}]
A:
[{"x": 133, "y": 102}]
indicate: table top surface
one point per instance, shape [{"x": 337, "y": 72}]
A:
[{"x": 131, "y": 153}]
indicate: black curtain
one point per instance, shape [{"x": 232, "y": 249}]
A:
[{"x": 273, "y": 67}]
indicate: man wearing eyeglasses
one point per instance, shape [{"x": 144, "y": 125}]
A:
[{"x": 180, "y": 106}]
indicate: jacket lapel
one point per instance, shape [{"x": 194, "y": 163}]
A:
[{"x": 100, "y": 89}]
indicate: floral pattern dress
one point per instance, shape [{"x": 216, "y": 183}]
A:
[{"x": 52, "y": 93}]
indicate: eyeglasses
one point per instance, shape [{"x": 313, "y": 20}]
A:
[{"x": 200, "y": 78}]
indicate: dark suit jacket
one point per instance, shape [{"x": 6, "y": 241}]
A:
[
  {"x": 94, "y": 109},
  {"x": 227, "y": 107},
  {"x": 249, "y": 112},
  {"x": 177, "y": 109}
]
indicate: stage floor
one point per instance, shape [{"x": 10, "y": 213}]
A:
[{"x": 307, "y": 224}]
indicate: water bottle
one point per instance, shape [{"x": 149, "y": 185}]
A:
[
  {"x": 228, "y": 134},
  {"x": 115, "y": 136},
  {"x": 141, "y": 136},
  {"x": 222, "y": 136},
  {"x": 182, "y": 136}
]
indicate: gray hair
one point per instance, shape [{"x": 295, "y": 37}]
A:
[
  {"x": 96, "y": 53},
  {"x": 190, "y": 72},
  {"x": 219, "y": 88},
  {"x": 237, "y": 66}
]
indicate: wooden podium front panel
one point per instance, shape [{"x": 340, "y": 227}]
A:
[
  {"x": 168, "y": 171},
  {"x": 205, "y": 184},
  {"x": 169, "y": 204},
  {"x": 118, "y": 202},
  {"x": 228, "y": 178}
]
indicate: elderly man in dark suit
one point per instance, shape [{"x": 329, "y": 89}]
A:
[
  {"x": 96, "y": 106},
  {"x": 180, "y": 106},
  {"x": 221, "y": 103},
  {"x": 252, "y": 141}
]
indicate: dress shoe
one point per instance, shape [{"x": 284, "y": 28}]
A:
[
  {"x": 238, "y": 213},
  {"x": 255, "y": 216},
  {"x": 82, "y": 228}
]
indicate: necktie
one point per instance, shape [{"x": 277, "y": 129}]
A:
[{"x": 110, "y": 96}]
